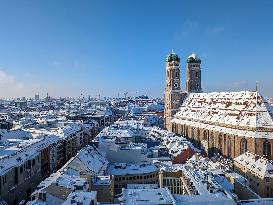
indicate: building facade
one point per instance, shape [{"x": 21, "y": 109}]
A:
[
  {"x": 123, "y": 174},
  {"x": 226, "y": 123},
  {"x": 258, "y": 171}
]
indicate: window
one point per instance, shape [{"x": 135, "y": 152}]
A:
[
  {"x": 176, "y": 74},
  {"x": 243, "y": 146},
  {"x": 192, "y": 133},
  {"x": 229, "y": 148},
  {"x": 198, "y": 138},
  {"x": 4, "y": 179},
  {"x": 197, "y": 74},
  {"x": 29, "y": 164},
  {"x": 212, "y": 143},
  {"x": 267, "y": 149},
  {"x": 220, "y": 143},
  {"x": 21, "y": 169},
  {"x": 205, "y": 135}
]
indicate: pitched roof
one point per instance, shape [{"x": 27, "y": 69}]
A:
[
  {"x": 259, "y": 165},
  {"x": 247, "y": 111}
]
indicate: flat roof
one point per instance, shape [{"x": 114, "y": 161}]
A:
[{"x": 147, "y": 196}]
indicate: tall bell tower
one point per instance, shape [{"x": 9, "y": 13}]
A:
[
  {"x": 172, "y": 92},
  {"x": 193, "y": 78}
]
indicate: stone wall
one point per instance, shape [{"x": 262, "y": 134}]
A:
[{"x": 228, "y": 145}]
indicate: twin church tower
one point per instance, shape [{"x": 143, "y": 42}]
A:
[{"x": 173, "y": 95}]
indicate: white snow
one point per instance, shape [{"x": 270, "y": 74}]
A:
[
  {"x": 259, "y": 165},
  {"x": 242, "y": 113}
]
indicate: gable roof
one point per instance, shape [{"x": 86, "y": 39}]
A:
[{"x": 245, "y": 110}]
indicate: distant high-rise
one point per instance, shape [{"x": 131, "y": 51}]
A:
[
  {"x": 172, "y": 93},
  {"x": 37, "y": 97},
  {"x": 193, "y": 81}
]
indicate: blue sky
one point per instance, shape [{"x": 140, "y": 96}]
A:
[{"x": 69, "y": 47}]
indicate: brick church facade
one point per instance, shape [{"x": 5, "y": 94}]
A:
[{"x": 228, "y": 123}]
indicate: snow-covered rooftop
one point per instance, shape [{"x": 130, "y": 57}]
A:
[
  {"x": 83, "y": 198},
  {"x": 244, "y": 113},
  {"x": 25, "y": 150},
  {"x": 59, "y": 179},
  {"x": 147, "y": 196},
  {"x": 93, "y": 160},
  {"x": 131, "y": 169},
  {"x": 262, "y": 167}
]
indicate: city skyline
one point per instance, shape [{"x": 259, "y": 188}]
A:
[{"x": 104, "y": 47}]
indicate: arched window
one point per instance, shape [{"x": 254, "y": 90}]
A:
[
  {"x": 205, "y": 135},
  {"x": 198, "y": 138},
  {"x": 212, "y": 139},
  {"x": 211, "y": 142},
  {"x": 243, "y": 146},
  {"x": 229, "y": 147},
  {"x": 192, "y": 134},
  {"x": 220, "y": 143},
  {"x": 173, "y": 128},
  {"x": 267, "y": 149}
]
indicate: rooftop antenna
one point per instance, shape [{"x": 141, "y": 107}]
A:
[{"x": 257, "y": 85}]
